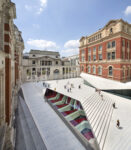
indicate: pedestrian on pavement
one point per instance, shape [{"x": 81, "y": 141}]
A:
[
  {"x": 101, "y": 97},
  {"x": 99, "y": 92},
  {"x": 114, "y": 105},
  {"x": 118, "y": 123}
]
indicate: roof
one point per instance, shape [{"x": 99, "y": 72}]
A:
[
  {"x": 43, "y": 52},
  {"x": 105, "y": 84},
  {"x": 109, "y": 22}
]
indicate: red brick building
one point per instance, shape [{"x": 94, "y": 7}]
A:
[{"x": 107, "y": 53}]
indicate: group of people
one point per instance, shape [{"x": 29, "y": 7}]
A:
[
  {"x": 69, "y": 86},
  {"x": 46, "y": 85}
]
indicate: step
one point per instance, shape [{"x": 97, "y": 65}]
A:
[
  {"x": 99, "y": 113},
  {"x": 96, "y": 114},
  {"x": 99, "y": 123},
  {"x": 103, "y": 138}
]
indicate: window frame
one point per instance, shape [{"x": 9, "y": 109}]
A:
[
  {"x": 110, "y": 72},
  {"x": 99, "y": 70}
]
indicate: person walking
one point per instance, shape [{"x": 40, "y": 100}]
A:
[
  {"x": 99, "y": 91},
  {"x": 101, "y": 97},
  {"x": 118, "y": 123},
  {"x": 114, "y": 105}
]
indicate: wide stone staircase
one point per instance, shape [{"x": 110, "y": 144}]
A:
[{"x": 99, "y": 112}]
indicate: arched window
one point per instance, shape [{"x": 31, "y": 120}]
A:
[
  {"x": 82, "y": 68},
  {"x": 89, "y": 69},
  {"x": 99, "y": 70},
  {"x": 56, "y": 71},
  {"x": 128, "y": 71},
  {"x": 110, "y": 71},
  {"x": 63, "y": 70},
  {"x": 94, "y": 69}
]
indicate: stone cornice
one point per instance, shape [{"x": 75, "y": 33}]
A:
[
  {"x": 111, "y": 36},
  {"x": 106, "y": 62},
  {"x": 9, "y": 10}
]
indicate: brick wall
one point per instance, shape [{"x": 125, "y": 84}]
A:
[
  {"x": 117, "y": 67},
  {"x": 7, "y": 72}
]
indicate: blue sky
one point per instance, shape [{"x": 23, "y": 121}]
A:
[{"x": 59, "y": 24}]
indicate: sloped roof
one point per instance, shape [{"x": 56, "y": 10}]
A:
[{"x": 43, "y": 52}]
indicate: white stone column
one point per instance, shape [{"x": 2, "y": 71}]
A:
[
  {"x": 41, "y": 73},
  {"x": 31, "y": 73},
  {"x": 46, "y": 73}
]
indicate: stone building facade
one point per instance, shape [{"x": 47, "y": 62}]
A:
[
  {"x": 11, "y": 47},
  {"x": 107, "y": 52},
  {"x": 47, "y": 65}
]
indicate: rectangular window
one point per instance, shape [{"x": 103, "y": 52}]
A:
[
  {"x": 123, "y": 54},
  {"x": 89, "y": 58},
  {"x": 82, "y": 58},
  {"x": 123, "y": 42},
  {"x": 50, "y": 63},
  {"x": 108, "y": 56},
  {"x": 113, "y": 55},
  {"x": 94, "y": 49},
  {"x": 113, "y": 43},
  {"x": 94, "y": 57},
  {"x": 42, "y": 63},
  {"x": 33, "y": 62},
  {"x": 100, "y": 56},
  {"x": 108, "y": 45},
  {"x": 33, "y": 69},
  {"x": 89, "y": 50},
  {"x": 100, "y": 48}
]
